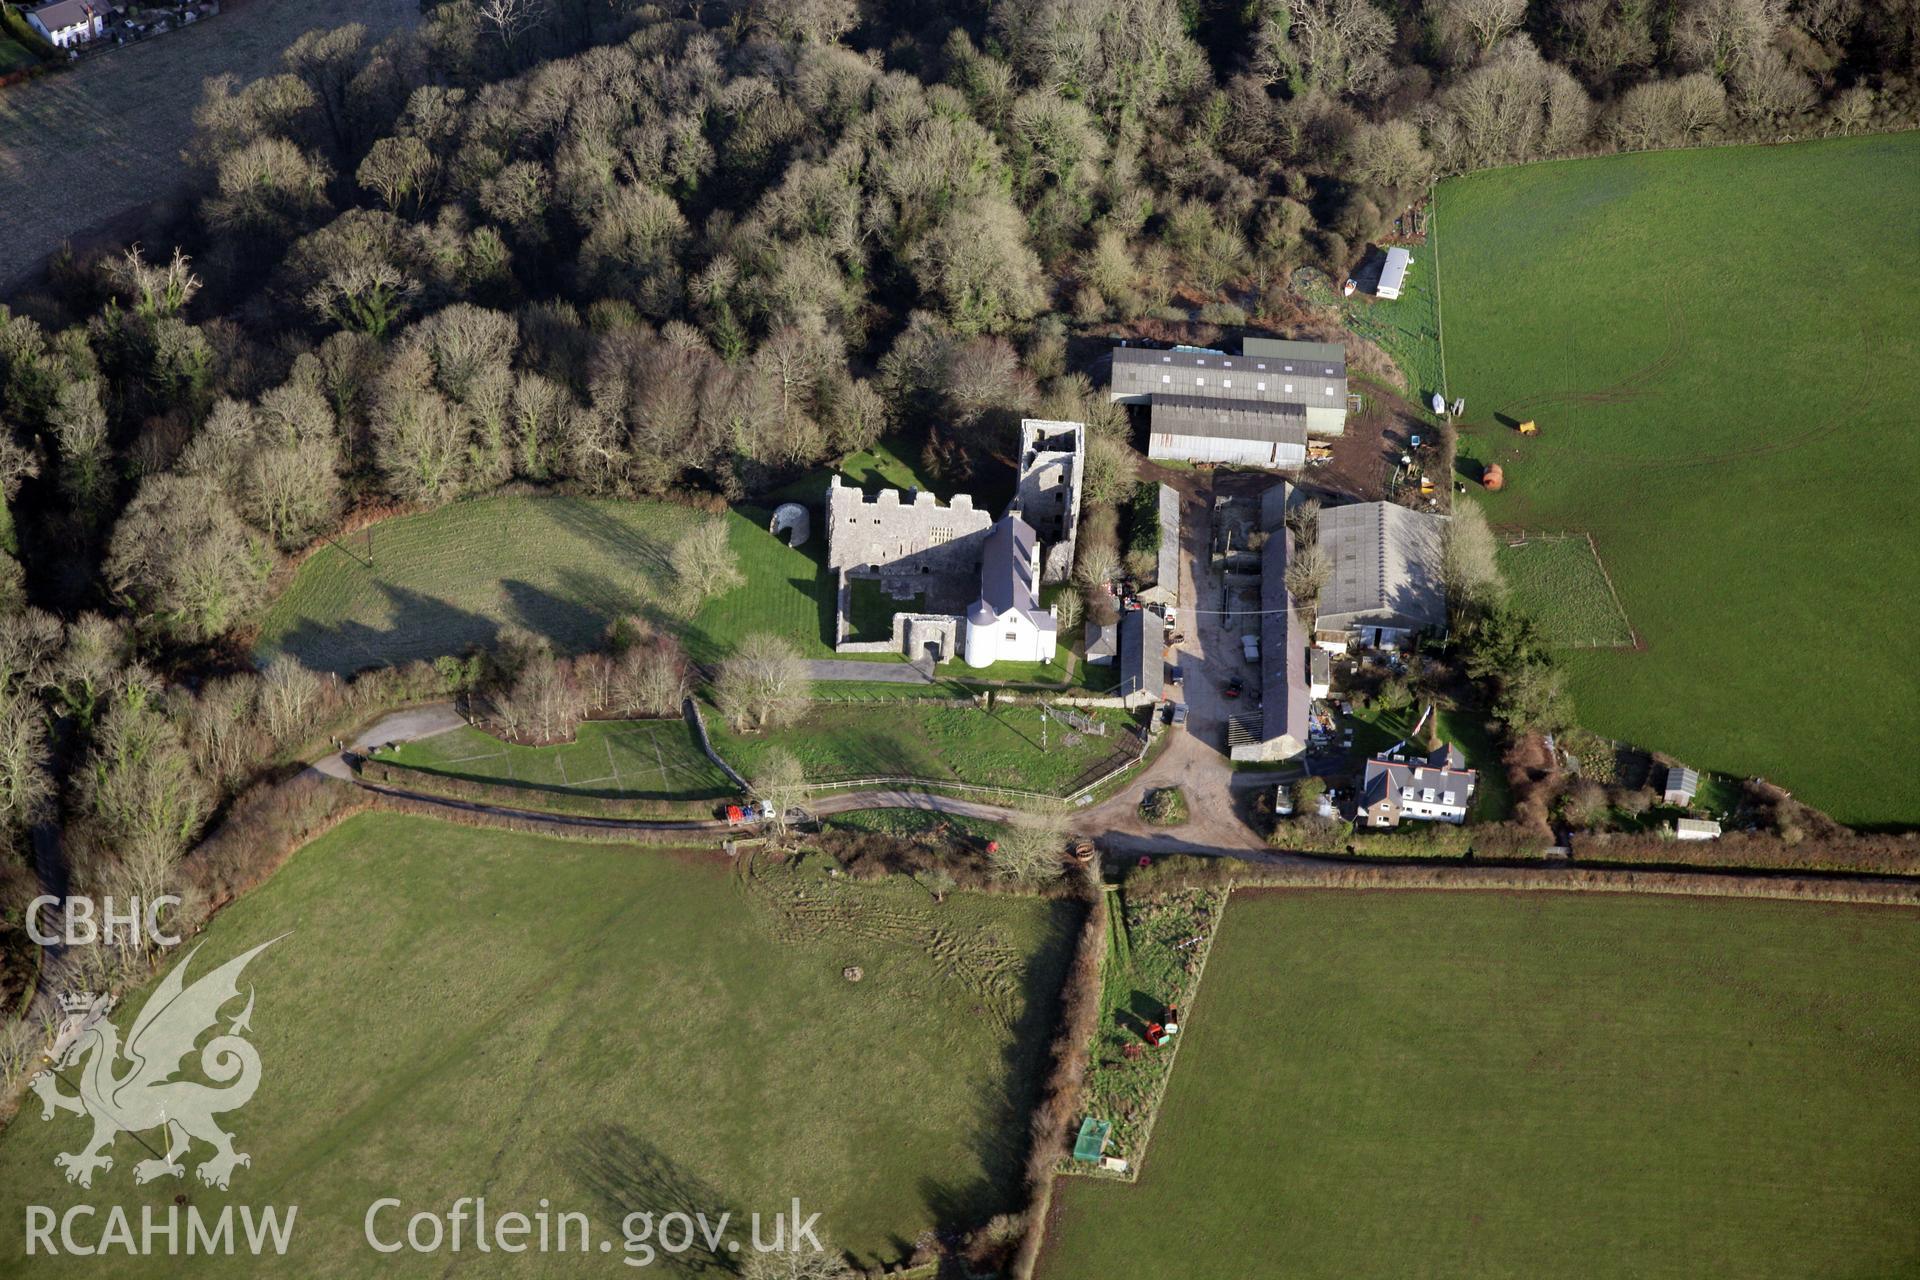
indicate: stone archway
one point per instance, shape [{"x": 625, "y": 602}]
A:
[{"x": 791, "y": 518}]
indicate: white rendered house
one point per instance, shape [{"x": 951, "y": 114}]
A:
[
  {"x": 1006, "y": 624},
  {"x": 66, "y": 23}
]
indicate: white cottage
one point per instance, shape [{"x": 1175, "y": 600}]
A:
[
  {"x": 66, "y": 23},
  {"x": 1006, "y": 624}
]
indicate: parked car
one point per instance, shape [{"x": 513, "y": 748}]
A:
[
  {"x": 1179, "y": 713},
  {"x": 1250, "y": 646},
  {"x": 1233, "y": 688}
]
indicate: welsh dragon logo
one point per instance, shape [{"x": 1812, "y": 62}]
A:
[{"x": 145, "y": 1095}]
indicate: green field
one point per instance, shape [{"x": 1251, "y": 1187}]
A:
[
  {"x": 1004, "y": 747},
  {"x": 1530, "y": 1086},
  {"x": 1559, "y": 582},
  {"x": 14, "y": 56},
  {"x": 1718, "y": 346},
  {"x": 445, "y": 580},
  {"x": 610, "y": 759},
  {"x": 464, "y": 1012}
]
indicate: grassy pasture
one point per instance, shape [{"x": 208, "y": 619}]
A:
[
  {"x": 1560, "y": 582},
  {"x": 1004, "y": 747},
  {"x": 610, "y": 759},
  {"x": 564, "y": 567},
  {"x": 14, "y": 56},
  {"x": 1717, "y": 345},
  {"x": 467, "y": 1012},
  {"x": 78, "y": 148},
  {"x": 1528, "y": 1086}
]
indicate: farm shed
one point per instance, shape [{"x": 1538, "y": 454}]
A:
[
  {"x": 1393, "y": 274},
  {"x": 1142, "y": 668},
  {"x": 1318, "y": 386},
  {"x": 1166, "y": 577},
  {"x": 1319, "y": 672},
  {"x": 1387, "y": 580},
  {"x": 1277, "y": 729},
  {"x": 1681, "y": 786},
  {"x": 1247, "y": 433},
  {"x": 1103, "y": 641},
  {"x": 1285, "y": 349}
]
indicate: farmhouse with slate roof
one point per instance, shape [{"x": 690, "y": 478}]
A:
[{"x": 1436, "y": 787}]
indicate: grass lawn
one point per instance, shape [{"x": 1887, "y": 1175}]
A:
[
  {"x": 1002, "y": 748},
  {"x": 610, "y": 759},
  {"x": 1719, "y": 356},
  {"x": 445, "y": 580},
  {"x": 1375, "y": 731},
  {"x": 466, "y": 1012},
  {"x": 872, "y": 609},
  {"x": 1529, "y": 1086},
  {"x": 14, "y": 56},
  {"x": 1559, "y": 581}
]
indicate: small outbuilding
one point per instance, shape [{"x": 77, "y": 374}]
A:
[
  {"x": 1142, "y": 661},
  {"x": 1319, "y": 673},
  {"x": 1103, "y": 642},
  {"x": 1681, "y": 786},
  {"x": 1393, "y": 274},
  {"x": 1695, "y": 829}
]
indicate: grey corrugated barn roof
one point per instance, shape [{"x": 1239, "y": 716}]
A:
[
  {"x": 1142, "y": 667},
  {"x": 1289, "y": 348},
  {"x": 1211, "y": 419},
  {"x": 1139, "y": 372},
  {"x": 1283, "y": 647},
  {"x": 1387, "y": 568},
  {"x": 1167, "y": 571}
]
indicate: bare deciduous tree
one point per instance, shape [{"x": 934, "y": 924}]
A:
[
  {"x": 1308, "y": 572},
  {"x": 1485, "y": 22},
  {"x": 764, "y": 684},
  {"x": 1470, "y": 560},
  {"x": 780, "y": 784},
  {"x": 704, "y": 564},
  {"x": 508, "y": 20},
  {"x": 1032, "y": 848}
]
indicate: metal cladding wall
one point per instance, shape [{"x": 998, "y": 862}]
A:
[{"x": 1246, "y": 453}]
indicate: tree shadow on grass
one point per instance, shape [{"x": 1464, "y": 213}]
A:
[
  {"x": 423, "y": 628},
  {"x": 595, "y": 524},
  {"x": 629, "y": 1174},
  {"x": 1003, "y": 1140}
]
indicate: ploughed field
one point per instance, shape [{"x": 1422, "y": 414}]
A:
[{"x": 1718, "y": 348}]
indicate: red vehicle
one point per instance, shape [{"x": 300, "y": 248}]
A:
[{"x": 1233, "y": 688}]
